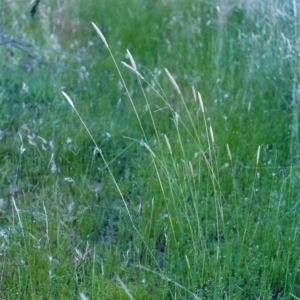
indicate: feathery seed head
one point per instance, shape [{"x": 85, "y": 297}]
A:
[
  {"x": 201, "y": 103},
  {"x": 132, "y": 69},
  {"x": 131, "y": 60},
  {"x": 194, "y": 93},
  {"x": 229, "y": 152},
  {"x": 168, "y": 144},
  {"x": 211, "y": 134},
  {"x": 68, "y": 99},
  {"x": 173, "y": 81},
  {"x": 257, "y": 155},
  {"x": 100, "y": 34}
]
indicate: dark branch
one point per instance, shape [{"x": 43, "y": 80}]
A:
[{"x": 34, "y": 8}]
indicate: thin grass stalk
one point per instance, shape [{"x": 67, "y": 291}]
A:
[
  {"x": 124, "y": 287},
  {"x": 159, "y": 144},
  {"x": 209, "y": 163},
  {"x": 252, "y": 193},
  {"x": 163, "y": 97},
  {"x": 110, "y": 172},
  {"x": 122, "y": 79},
  {"x": 183, "y": 151},
  {"x": 134, "y": 108},
  {"x": 167, "y": 279},
  {"x": 48, "y": 239},
  {"x": 94, "y": 276}
]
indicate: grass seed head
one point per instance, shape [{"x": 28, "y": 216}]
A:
[
  {"x": 168, "y": 144},
  {"x": 132, "y": 69},
  {"x": 200, "y": 101},
  {"x": 100, "y": 34},
  {"x": 148, "y": 148},
  {"x": 173, "y": 81},
  {"x": 211, "y": 134},
  {"x": 257, "y": 155},
  {"x": 131, "y": 60},
  {"x": 68, "y": 99},
  {"x": 191, "y": 168},
  {"x": 229, "y": 152},
  {"x": 194, "y": 93},
  {"x": 83, "y": 296}
]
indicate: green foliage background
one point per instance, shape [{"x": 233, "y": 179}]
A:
[{"x": 179, "y": 213}]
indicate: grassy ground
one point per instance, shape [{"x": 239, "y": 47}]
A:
[{"x": 185, "y": 195}]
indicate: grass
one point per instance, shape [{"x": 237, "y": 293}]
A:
[{"x": 156, "y": 190}]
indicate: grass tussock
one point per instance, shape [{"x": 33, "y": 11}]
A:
[{"x": 168, "y": 166}]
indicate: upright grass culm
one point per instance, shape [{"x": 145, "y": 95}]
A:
[
  {"x": 173, "y": 215},
  {"x": 106, "y": 164},
  {"x": 163, "y": 193},
  {"x": 174, "y": 184},
  {"x": 153, "y": 155}
]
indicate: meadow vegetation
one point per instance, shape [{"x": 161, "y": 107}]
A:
[{"x": 168, "y": 168}]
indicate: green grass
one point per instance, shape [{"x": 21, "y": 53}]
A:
[{"x": 174, "y": 195}]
